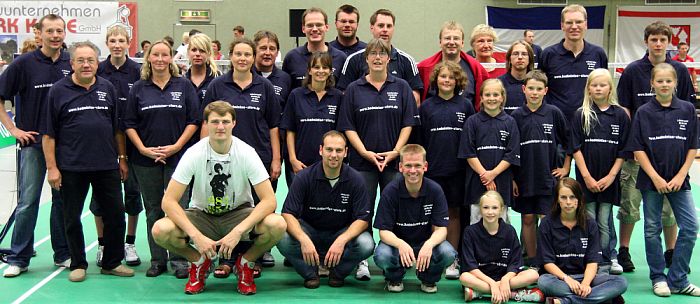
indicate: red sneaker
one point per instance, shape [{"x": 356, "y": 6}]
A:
[
  {"x": 246, "y": 285},
  {"x": 198, "y": 274}
]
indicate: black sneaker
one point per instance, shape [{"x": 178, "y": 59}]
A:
[
  {"x": 335, "y": 281},
  {"x": 625, "y": 260},
  {"x": 312, "y": 283},
  {"x": 668, "y": 257},
  {"x": 182, "y": 273}
]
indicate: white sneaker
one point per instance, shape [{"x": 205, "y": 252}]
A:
[
  {"x": 13, "y": 271},
  {"x": 323, "y": 271},
  {"x": 131, "y": 257},
  {"x": 470, "y": 294},
  {"x": 452, "y": 271},
  {"x": 363, "y": 274},
  {"x": 65, "y": 263},
  {"x": 615, "y": 268},
  {"x": 100, "y": 253},
  {"x": 690, "y": 290},
  {"x": 394, "y": 286},
  {"x": 661, "y": 289},
  {"x": 428, "y": 288},
  {"x": 528, "y": 295}
]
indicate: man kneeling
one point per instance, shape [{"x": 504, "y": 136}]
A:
[
  {"x": 327, "y": 212},
  {"x": 221, "y": 212},
  {"x": 412, "y": 221}
]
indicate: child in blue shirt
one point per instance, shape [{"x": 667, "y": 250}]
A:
[
  {"x": 495, "y": 269},
  {"x": 664, "y": 140},
  {"x": 598, "y": 136},
  {"x": 491, "y": 144}
]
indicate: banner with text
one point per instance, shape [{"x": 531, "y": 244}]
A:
[{"x": 85, "y": 20}]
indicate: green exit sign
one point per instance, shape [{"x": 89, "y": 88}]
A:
[{"x": 189, "y": 15}]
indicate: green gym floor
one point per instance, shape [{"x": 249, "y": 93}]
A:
[{"x": 46, "y": 283}]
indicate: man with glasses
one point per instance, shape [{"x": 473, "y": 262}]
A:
[
  {"x": 568, "y": 63},
  {"x": 347, "y": 18},
  {"x": 451, "y": 44},
  {"x": 221, "y": 215},
  {"x": 314, "y": 24},
  {"x": 84, "y": 147}
]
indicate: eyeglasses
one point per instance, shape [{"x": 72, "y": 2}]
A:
[
  {"x": 82, "y": 61},
  {"x": 518, "y": 54},
  {"x": 377, "y": 54}
]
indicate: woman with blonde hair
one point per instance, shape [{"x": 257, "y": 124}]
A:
[
  {"x": 482, "y": 39},
  {"x": 162, "y": 114}
]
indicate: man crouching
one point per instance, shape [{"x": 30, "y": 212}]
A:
[{"x": 221, "y": 212}]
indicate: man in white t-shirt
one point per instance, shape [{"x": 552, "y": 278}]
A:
[{"x": 221, "y": 212}]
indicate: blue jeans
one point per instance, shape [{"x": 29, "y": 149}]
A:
[
  {"x": 603, "y": 288},
  {"x": 356, "y": 250},
  {"x": 32, "y": 170},
  {"x": 684, "y": 209},
  {"x": 601, "y": 213},
  {"x": 387, "y": 258}
]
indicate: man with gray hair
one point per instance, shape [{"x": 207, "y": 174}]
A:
[{"x": 84, "y": 147}]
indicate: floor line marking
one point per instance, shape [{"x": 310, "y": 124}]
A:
[
  {"x": 46, "y": 238},
  {"x": 47, "y": 279}
]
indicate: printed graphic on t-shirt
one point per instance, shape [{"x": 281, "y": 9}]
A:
[{"x": 221, "y": 198}]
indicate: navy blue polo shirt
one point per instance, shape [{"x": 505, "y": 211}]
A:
[
  {"x": 515, "y": 97},
  {"x": 312, "y": 199},
  {"x": 160, "y": 116},
  {"x": 441, "y": 127},
  {"x": 411, "y": 219},
  {"x": 567, "y": 74},
  {"x": 83, "y": 122},
  {"x": 665, "y": 134},
  {"x": 310, "y": 118},
  {"x": 469, "y": 92},
  {"x": 31, "y": 76},
  {"x": 296, "y": 62},
  {"x": 570, "y": 249},
  {"x": 376, "y": 116},
  {"x": 123, "y": 78},
  {"x": 540, "y": 133},
  {"x": 604, "y": 144},
  {"x": 491, "y": 140},
  {"x": 280, "y": 81},
  {"x": 495, "y": 255},
  {"x": 201, "y": 90},
  {"x": 401, "y": 65},
  {"x": 257, "y": 110},
  {"x": 348, "y": 50},
  {"x": 537, "y": 50},
  {"x": 634, "y": 88}
]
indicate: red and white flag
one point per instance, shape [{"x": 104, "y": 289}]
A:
[{"x": 631, "y": 21}]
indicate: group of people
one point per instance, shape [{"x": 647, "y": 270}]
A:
[{"x": 451, "y": 145}]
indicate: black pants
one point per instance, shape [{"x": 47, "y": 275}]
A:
[{"x": 106, "y": 188}]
